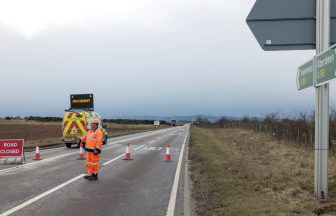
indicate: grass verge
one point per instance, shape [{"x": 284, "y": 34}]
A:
[{"x": 239, "y": 172}]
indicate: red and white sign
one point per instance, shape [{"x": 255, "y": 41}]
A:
[{"x": 11, "y": 147}]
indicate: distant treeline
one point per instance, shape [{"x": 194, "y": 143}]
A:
[
  {"x": 58, "y": 119},
  {"x": 299, "y": 129},
  {"x": 36, "y": 118}
]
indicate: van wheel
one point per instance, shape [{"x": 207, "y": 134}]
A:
[
  {"x": 68, "y": 145},
  {"x": 105, "y": 140}
]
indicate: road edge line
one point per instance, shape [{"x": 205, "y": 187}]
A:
[
  {"x": 187, "y": 184},
  {"x": 172, "y": 199}
]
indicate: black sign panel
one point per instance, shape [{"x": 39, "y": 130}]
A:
[{"x": 81, "y": 101}]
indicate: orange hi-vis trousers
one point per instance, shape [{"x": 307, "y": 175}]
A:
[{"x": 92, "y": 163}]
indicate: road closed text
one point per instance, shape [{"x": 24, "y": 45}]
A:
[
  {"x": 9, "y": 151},
  {"x": 11, "y": 148}
]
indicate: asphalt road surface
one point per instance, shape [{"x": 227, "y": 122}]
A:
[{"x": 146, "y": 185}]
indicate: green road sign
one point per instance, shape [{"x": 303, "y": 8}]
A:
[
  {"x": 326, "y": 66},
  {"x": 305, "y": 75}
]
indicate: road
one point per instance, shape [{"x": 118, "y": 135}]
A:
[{"x": 146, "y": 185}]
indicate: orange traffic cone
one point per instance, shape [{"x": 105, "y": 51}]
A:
[
  {"x": 37, "y": 153},
  {"x": 167, "y": 154},
  {"x": 128, "y": 153},
  {"x": 81, "y": 152}
]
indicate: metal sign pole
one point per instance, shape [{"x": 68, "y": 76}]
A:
[{"x": 322, "y": 104}]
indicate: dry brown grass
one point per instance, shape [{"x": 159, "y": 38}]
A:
[{"x": 238, "y": 172}]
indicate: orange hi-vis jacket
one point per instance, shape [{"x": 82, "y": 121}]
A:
[{"x": 93, "y": 140}]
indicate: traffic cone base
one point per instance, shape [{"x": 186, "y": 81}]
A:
[
  {"x": 167, "y": 159},
  {"x": 37, "y": 153},
  {"x": 127, "y": 153},
  {"x": 127, "y": 157},
  {"x": 81, "y": 153}
]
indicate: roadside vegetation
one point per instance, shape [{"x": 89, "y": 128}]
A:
[
  {"x": 299, "y": 128},
  {"x": 237, "y": 171}
]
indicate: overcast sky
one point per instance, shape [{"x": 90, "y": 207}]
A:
[{"x": 143, "y": 57}]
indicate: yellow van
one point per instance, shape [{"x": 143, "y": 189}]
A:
[{"x": 77, "y": 123}]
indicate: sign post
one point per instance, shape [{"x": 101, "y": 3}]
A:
[
  {"x": 322, "y": 101},
  {"x": 300, "y": 25}
]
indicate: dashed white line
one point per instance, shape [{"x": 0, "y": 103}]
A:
[
  {"x": 140, "y": 147},
  {"x": 110, "y": 161}
]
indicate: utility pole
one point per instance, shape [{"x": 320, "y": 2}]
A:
[{"x": 322, "y": 104}]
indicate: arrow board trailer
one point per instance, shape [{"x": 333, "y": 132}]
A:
[{"x": 81, "y": 102}]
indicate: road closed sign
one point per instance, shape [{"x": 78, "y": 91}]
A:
[{"x": 11, "y": 147}]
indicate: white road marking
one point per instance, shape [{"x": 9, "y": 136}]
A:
[
  {"x": 40, "y": 196},
  {"x": 110, "y": 161},
  {"x": 36, "y": 162},
  {"x": 57, "y": 187},
  {"x": 140, "y": 147},
  {"x": 172, "y": 199},
  {"x": 137, "y": 137},
  {"x": 51, "y": 191}
]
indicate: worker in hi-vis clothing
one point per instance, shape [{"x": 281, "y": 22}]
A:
[{"x": 93, "y": 141}]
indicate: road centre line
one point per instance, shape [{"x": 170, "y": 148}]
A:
[
  {"x": 172, "y": 199},
  {"x": 110, "y": 161},
  {"x": 40, "y": 196},
  {"x": 128, "y": 139},
  {"x": 140, "y": 147}
]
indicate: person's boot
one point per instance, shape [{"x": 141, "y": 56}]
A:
[
  {"x": 87, "y": 176},
  {"x": 93, "y": 177}
]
